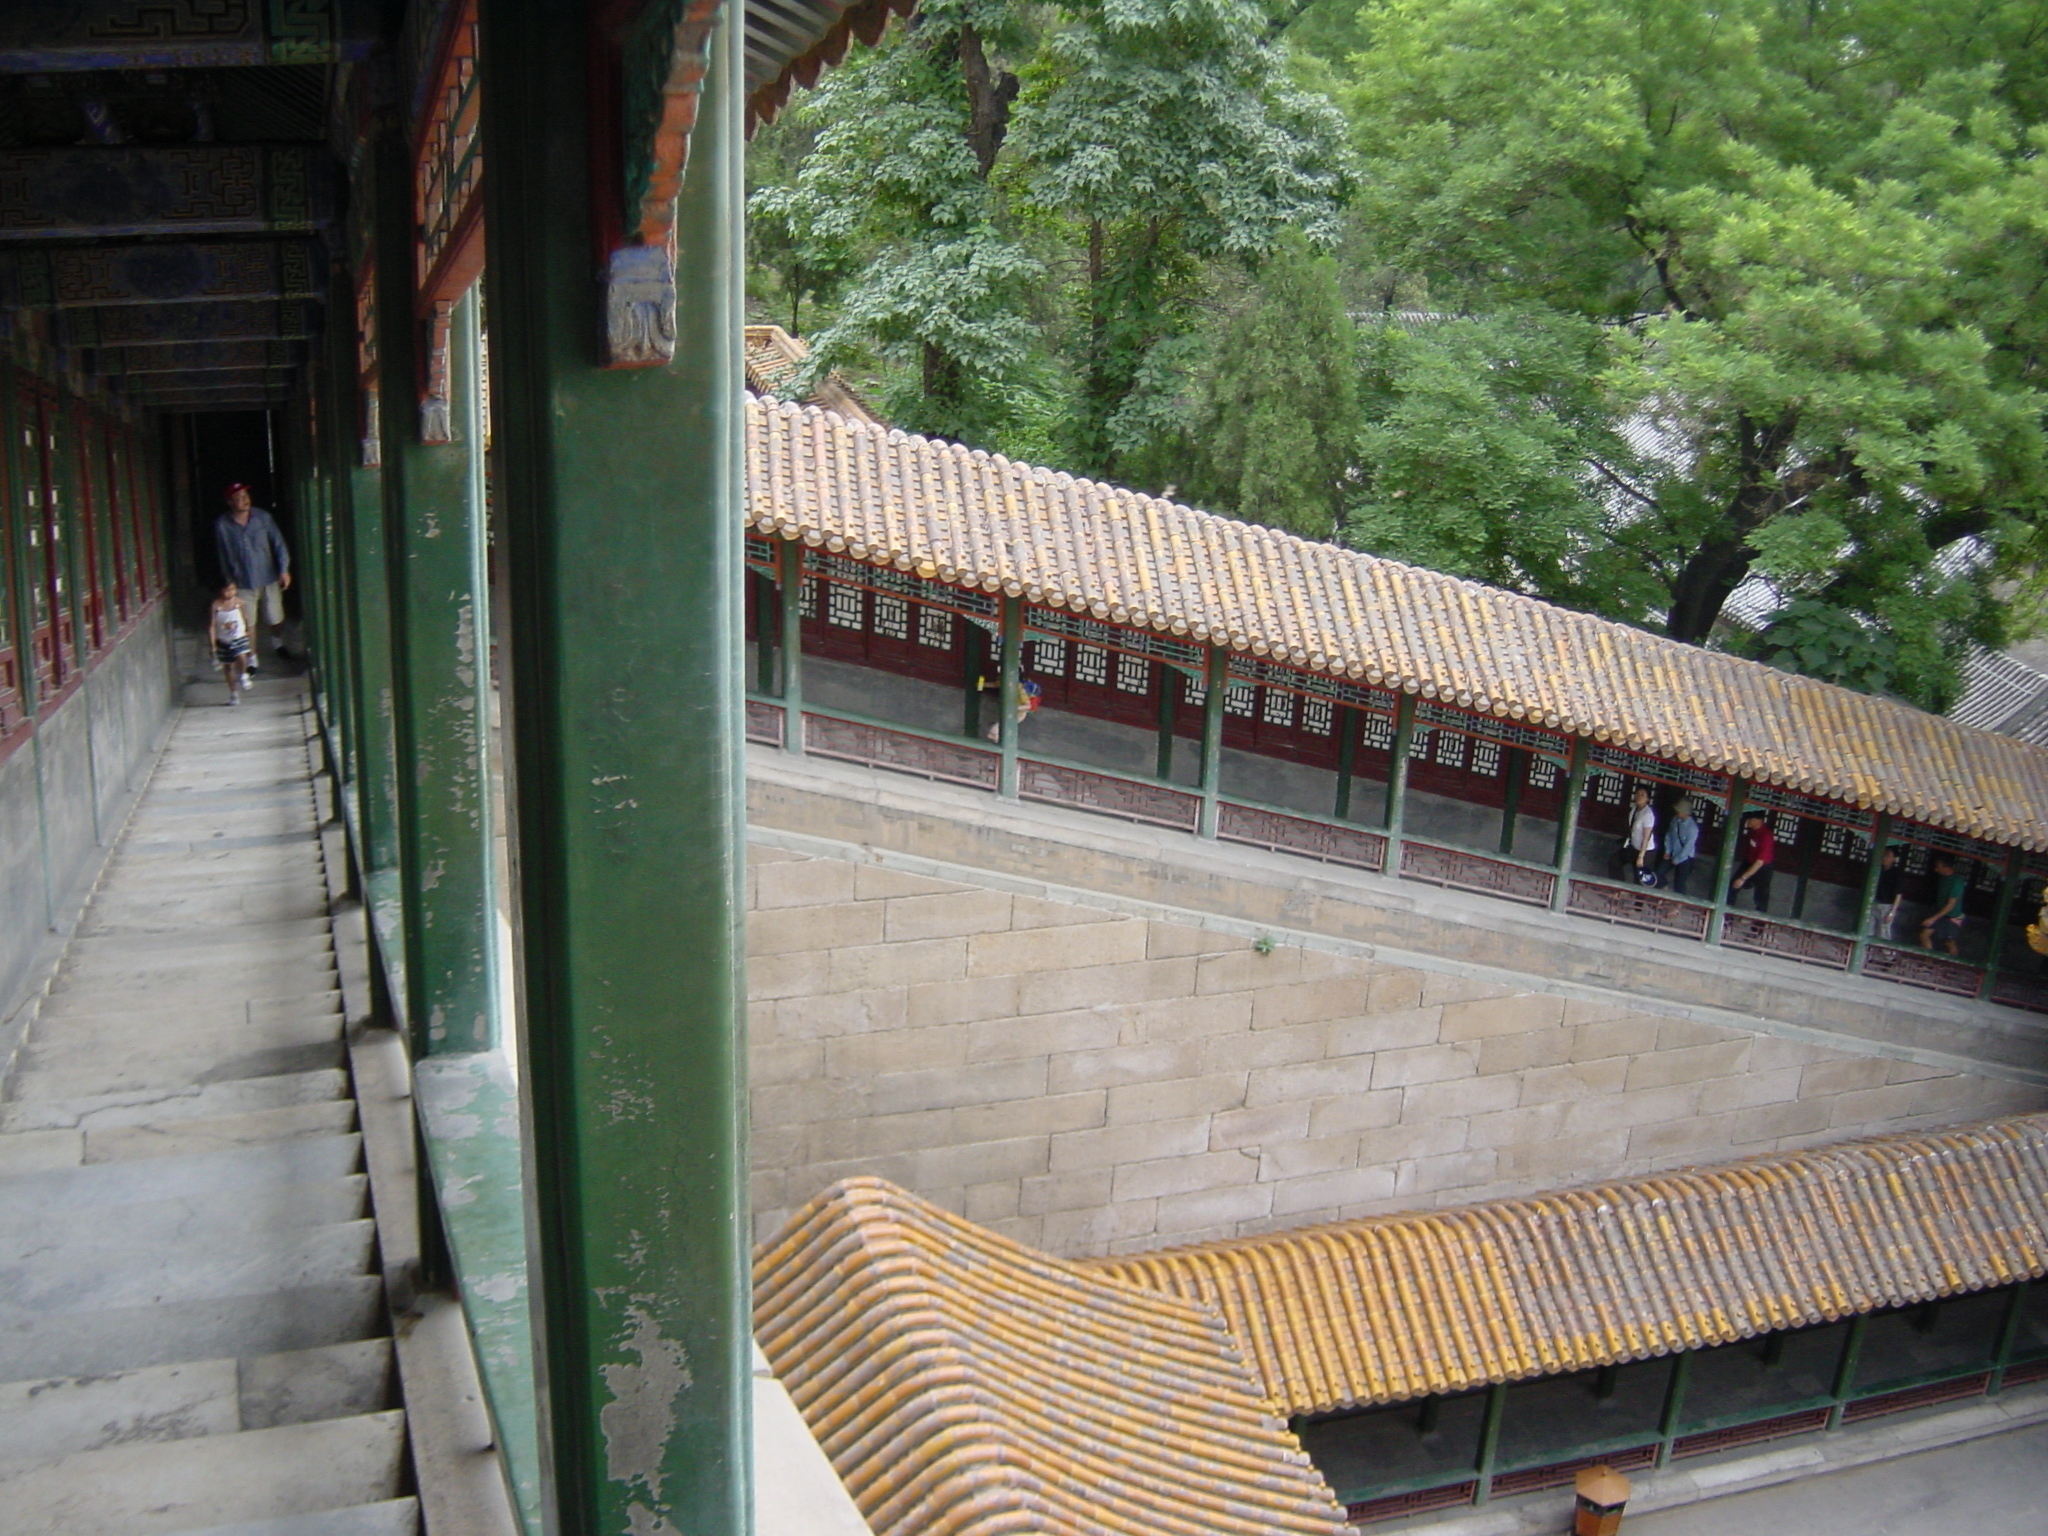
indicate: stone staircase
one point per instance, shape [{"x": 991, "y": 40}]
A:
[{"x": 193, "y": 1331}]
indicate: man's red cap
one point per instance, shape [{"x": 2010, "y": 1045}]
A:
[{"x": 234, "y": 487}]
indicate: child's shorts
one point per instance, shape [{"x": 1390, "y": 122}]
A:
[{"x": 231, "y": 650}]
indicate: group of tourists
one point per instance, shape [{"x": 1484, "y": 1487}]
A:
[{"x": 1648, "y": 857}]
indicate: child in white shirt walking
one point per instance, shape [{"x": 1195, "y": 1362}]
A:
[{"x": 229, "y": 632}]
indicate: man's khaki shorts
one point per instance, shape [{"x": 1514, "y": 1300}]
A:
[{"x": 270, "y": 598}]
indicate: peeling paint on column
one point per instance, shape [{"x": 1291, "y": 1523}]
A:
[{"x": 641, "y": 1416}]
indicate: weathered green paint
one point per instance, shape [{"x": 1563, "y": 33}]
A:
[
  {"x": 621, "y": 511},
  {"x": 440, "y": 723},
  {"x": 1724, "y": 859},
  {"x": 376, "y": 759},
  {"x": 1396, "y": 811},
  {"x": 1215, "y": 678},
  {"x": 19, "y": 489},
  {"x": 790, "y": 558},
  {"x": 1568, "y": 822},
  {"x": 2008, "y": 1338},
  {"x": 1010, "y": 698}
]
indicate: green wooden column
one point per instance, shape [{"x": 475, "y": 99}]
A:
[
  {"x": 2001, "y": 916},
  {"x": 1215, "y": 680},
  {"x": 1568, "y": 822},
  {"x": 1866, "y": 898},
  {"x": 790, "y": 557},
  {"x": 621, "y": 510},
  {"x": 434, "y": 553},
  {"x": 1396, "y": 814},
  {"x": 1489, "y": 1442},
  {"x": 376, "y": 759},
  {"x": 1169, "y": 710},
  {"x": 1347, "y": 724},
  {"x": 1724, "y": 860},
  {"x": 1514, "y": 769},
  {"x": 1845, "y": 1367}
]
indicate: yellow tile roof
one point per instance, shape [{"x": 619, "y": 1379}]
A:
[
  {"x": 773, "y": 358},
  {"x": 1398, "y": 1306},
  {"x": 963, "y": 1385},
  {"x": 978, "y": 519}
]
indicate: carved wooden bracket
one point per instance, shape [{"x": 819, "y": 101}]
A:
[
  {"x": 448, "y": 204},
  {"x": 659, "y": 56}
]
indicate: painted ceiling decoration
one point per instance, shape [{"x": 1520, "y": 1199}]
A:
[
  {"x": 50, "y": 35},
  {"x": 162, "y": 273}
]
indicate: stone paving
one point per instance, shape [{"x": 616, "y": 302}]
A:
[{"x": 192, "y": 1330}]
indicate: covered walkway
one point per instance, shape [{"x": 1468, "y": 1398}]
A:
[{"x": 193, "y": 1329}]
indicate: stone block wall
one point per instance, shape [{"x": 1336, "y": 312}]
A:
[{"x": 1094, "y": 1080}]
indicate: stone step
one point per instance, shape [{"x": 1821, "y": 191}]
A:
[
  {"x": 160, "y": 1106},
  {"x": 115, "y": 1075},
  {"x": 204, "y": 955},
  {"x": 203, "y": 941},
  {"x": 133, "y": 910},
  {"x": 260, "y": 1126},
  {"x": 263, "y": 1474},
  {"x": 124, "y": 1338},
  {"x": 313, "y": 1160},
  {"x": 182, "y": 1031},
  {"x": 285, "y": 976},
  {"x": 392, "y": 1517},
  {"x": 129, "y": 1023},
  {"x": 72, "y": 1279},
  {"x": 45, "y": 1419},
  {"x": 231, "y": 1215}
]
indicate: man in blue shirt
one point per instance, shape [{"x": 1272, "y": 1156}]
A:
[
  {"x": 253, "y": 556},
  {"x": 1681, "y": 845}
]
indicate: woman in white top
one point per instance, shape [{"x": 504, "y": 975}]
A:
[{"x": 1637, "y": 855}]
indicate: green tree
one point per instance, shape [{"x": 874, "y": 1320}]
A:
[
  {"x": 1276, "y": 413},
  {"x": 1154, "y": 136},
  {"x": 1814, "y": 233},
  {"x": 907, "y": 135},
  {"x": 1488, "y": 449}
]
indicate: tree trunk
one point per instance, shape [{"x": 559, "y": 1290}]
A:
[
  {"x": 989, "y": 96},
  {"x": 1704, "y": 583},
  {"x": 1721, "y": 562}
]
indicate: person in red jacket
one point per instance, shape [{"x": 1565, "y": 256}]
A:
[{"x": 1756, "y": 850}]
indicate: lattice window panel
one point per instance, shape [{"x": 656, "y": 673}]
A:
[
  {"x": 1133, "y": 674},
  {"x": 1318, "y": 716},
  {"x": 1451, "y": 749},
  {"x": 1049, "y": 658},
  {"x": 1543, "y": 773},
  {"x": 892, "y": 617},
  {"x": 1418, "y": 744},
  {"x": 1379, "y": 733},
  {"x": 807, "y": 597},
  {"x": 1486, "y": 758},
  {"x": 882, "y": 578},
  {"x": 1091, "y": 665},
  {"x": 1834, "y": 841},
  {"x": 1700, "y": 783},
  {"x": 1339, "y": 690},
  {"x": 1786, "y": 828},
  {"x": 1508, "y": 733},
  {"x": 1918, "y": 860},
  {"x": 1954, "y": 842},
  {"x": 1989, "y": 877},
  {"x": 1240, "y": 699},
  {"x": 934, "y": 628},
  {"x": 1608, "y": 788},
  {"x": 1778, "y": 798},
  {"x": 844, "y": 605},
  {"x": 1276, "y": 706},
  {"x": 761, "y": 555},
  {"x": 1197, "y": 691},
  {"x": 1061, "y": 625}
]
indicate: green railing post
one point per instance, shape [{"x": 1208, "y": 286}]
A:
[
  {"x": 1515, "y": 765},
  {"x": 1724, "y": 860},
  {"x": 2001, "y": 916},
  {"x": 621, "y": 503},
  {"x": 1489, "y": 1442},
  {"x": 789, "y": 560},
  {"x": 1395, "y": 815},
  {"x": 1674, "y": 1406},
  {"x": 1010, "y": 694},
  {"x": 1845, "y": 1368},
  {"x": 1215, "y": 679},
  {"x": 1866, "y": 898},
  {"x": 1567, "y": 844}
]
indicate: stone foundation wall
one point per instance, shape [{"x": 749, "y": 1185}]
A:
[{"x": 1091, "y": 1081}]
